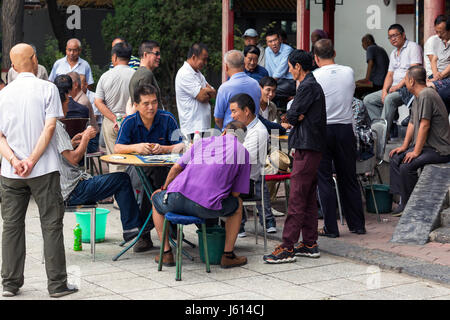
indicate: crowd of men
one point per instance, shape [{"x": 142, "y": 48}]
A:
[{"x": 269, "y": 91}]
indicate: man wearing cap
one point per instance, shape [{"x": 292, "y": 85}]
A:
[{"x": 251, "y": 39}]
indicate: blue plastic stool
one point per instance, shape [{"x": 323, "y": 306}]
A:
[{"x": 180, "y": 221}]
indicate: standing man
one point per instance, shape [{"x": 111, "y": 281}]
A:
[
  {"x": 251, "y": 39},
  {"x": 134, "y": 62},
  {"x": 338, "y": 84},
  {"x": 72, "y": 62},
  {"x": 150, "y": 54},
  {"x": 308, "y": 137},
  {"x": 239, "y": 82},
  {"x": 30, "y": 168},
  {"x": 112, "y": 95},
  {"x": 41, "y": 74},
  {"x": 193, "y": 92}
]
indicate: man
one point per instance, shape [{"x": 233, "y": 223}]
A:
[
  {"x": 276, "y": 64},
  {"x": 252, "y": 68},
  {"x": 148, "y": 131},
  {"x": 316, "y": 35},
  {"x": 193, "y": 92},
  {"x": 30, "y": 168},
  {"x": 242, "y": 109},
  {"x": 338, "y": 85},
  {"x": 134, "y": 62},
  {"x": 150, "y": 54},
  {"x": 41, "y": 74},
  {"x": 384, "y": 103},
  {"x": 112, "y": 95},
  {"x": 192, "y": 188},
  {"x": 251, "y": 39},
  {"x": 427, "y": 138},
  {"x": 78, "y": 187},
  {"x": 72, "y": 62},
  {"x": 238, "y": 82},
  {"x": 430, "y": 47},
  {"x": 308, "y": 137},
  {"x": 377, "y": 65}
]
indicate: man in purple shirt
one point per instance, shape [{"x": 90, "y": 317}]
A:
[{"x": 206, "y": 183}]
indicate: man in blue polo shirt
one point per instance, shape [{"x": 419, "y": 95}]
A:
[{"x": 148, "y": 131}]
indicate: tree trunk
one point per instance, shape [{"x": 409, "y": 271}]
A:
[
  {"x": 12, "y": 28},
  {"x": 58, "y": 21}
]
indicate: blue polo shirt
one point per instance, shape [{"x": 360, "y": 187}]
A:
[
  {"x": 163, "y": 131},
  {"x": 258, "y": 73}
]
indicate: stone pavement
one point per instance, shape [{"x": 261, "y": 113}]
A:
[{"x": 135, "y": 276}]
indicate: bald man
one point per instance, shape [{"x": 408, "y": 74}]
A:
[
  {"x": 72, "y": 62},
  {"x": 30, "y": 167}
]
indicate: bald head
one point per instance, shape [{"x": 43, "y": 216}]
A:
[{"x": 23, "y": 58}]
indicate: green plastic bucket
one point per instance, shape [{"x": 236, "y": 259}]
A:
[
  {"x": 215, "y": 236},
  {"x": 84, "y": 220},
  {"x": 382, "y": 197}
]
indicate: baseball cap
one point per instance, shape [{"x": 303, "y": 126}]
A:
[{"x": 250, "y": 33}]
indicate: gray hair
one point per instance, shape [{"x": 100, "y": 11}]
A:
[
  {"x": 76, "y": 40},
  {"x": 75, "y": 77},
  {"x": 234, "y": 59}
]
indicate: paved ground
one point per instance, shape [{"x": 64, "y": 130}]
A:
[{"x": 135, "y": 276}]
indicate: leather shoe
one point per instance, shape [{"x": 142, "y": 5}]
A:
[
  {"x": 359, "y": 231},
  {"x": 168, "y": 259},
  {"x": 143, "y": 244},
  {"x": 232, "y": 260},
  {"x": 324, "y": 233}
]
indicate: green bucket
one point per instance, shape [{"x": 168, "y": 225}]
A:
[
  {"x": 382, "y": 197},
  {"x": 215, "y": 237},
  {"x": 84, "y": 220}
]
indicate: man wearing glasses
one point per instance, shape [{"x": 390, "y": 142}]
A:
[
  {"x": 384, "y": 103},
  {"x": 150, "y": 55}
]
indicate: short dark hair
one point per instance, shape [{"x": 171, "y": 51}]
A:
[
  {"x": 147, "y": 46},
  {"x": 273, "y": 31},
  {"x": 196, "y": 50},
  {"x": 244, "y": 100},
  {"x": 64, "y": 84},
  {"x": 439, "y": 19},
  {"x": 370, "y": 38},
  {"x": 324, "y": 49},
  {"x": 252, "y": 49},
  {"x": 303, "y": 58},
  {"x": 398, "y": 27},
  {"x": 143, "y": 90},
  {"x": 122, "y": 50},
  {"x": 267, "y": 81},
  {"x": 418, "y": 73}
]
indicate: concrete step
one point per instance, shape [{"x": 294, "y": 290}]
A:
[{"x": 441, "y": 235}]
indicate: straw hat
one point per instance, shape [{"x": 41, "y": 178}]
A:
[{"x": 277, "y": 161}]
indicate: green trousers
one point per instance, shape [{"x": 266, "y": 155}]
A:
[{"x": 16, "y": 194}]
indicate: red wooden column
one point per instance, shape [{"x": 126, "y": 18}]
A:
[
  {"x": 328, "y": 17},
  {"x": 227, "y": 32},
  {"x": 303, "y": 24},
  {"x": 431, "y": 8}
]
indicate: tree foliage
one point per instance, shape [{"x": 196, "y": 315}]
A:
[{"x": 175, "y": 24}]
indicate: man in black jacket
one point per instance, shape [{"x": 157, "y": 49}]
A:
[{"x": 307, "y": 115}]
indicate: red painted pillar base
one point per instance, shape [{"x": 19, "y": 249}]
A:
[
  {"x": 328, "y": 17},
  {"x": 431, "y": 8},
  {"x": 303, "y": 25}
]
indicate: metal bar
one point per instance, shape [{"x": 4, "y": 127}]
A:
[{"x": 163, "y": 242}]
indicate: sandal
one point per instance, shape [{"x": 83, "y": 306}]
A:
[{"x": 323, "y": 233}]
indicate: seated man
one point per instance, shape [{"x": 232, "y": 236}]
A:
[
  {"x": 78, "y": 187},
  {"x": 148, "y": 131},
  {"x": 75, "y": 110},
  {"x": 252, "y": 68},
  {"x": 427, "y": 138},
  {"x": 208, "y": 189},
  {"x": 243, "y": 109}
]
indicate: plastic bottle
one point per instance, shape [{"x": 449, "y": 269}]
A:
[
  {"x": 197, "y": 136},
  {"x": 77, "y": 244},
  {"x": 119, "y": 118}
]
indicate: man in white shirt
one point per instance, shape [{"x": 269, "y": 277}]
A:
[
  {"x": 30, "y": 167},
  {"x": 193, "y": 92},
  {"x": 338, "y": 84},
  {"x": 430, "y": 47}
]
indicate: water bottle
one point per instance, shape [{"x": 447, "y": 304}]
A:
[
  {"x": 119, "y": 119},
  {"x": 77, "y": 244}
]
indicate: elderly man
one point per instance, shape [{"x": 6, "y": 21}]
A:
[
  {"x": 30, "y": 168},
  {"x": 238, "y": 82},
  {"x": 252, "y": 68},
  {"x": 431, "y": 46},
  {"x": 193, "y": 188},
  {"x": 251, "y": 39},
  {"x": 134, "y": 62},
  {"x": 41, "y": 74},
  {"x": 112, "y": 95},
  {"x": 193, "y": 92},
  {"x": 72, "y": 62},
  {"x": 427, "y": 138}
]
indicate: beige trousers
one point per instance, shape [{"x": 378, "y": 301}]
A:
[{"x": 110, "y": 137}]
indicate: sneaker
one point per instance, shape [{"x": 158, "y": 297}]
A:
[
  {"x": 9, "y": 293},
  {"x": 65, "y": 292},
  {"x": 277, "y": 213},
  {"x": 280, "y": 255},
  {"x": 232, "y": 260},
  {"x": 242, "y": 233},
  {"x": 272, "y": 230},
  {"x": 307, "y": 251},
  {"x": 168, "y": 259},
  {"x": 143, "y": 244}
]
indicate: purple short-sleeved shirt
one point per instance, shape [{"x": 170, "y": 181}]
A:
[{"x": 213, "y": 168}]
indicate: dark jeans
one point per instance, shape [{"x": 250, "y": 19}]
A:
[
  {"x": 443, "y": 88},
  {"x": 93, "y": 144},
  {"x": 103, "y": 186},
  {"x": 341, "y": 151},
  {"x": 404, "y": 175},
  {"x": 302, "y": 210}
]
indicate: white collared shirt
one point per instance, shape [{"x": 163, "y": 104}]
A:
[
  {"x": 193, "y": 114},
  {"x": 62, "y": 66},
  {"x": 430, "y": 47},
  {"x": 25, "y": 104},
  {"x": 410, "y": 53},
  {"x": 256, "y": 144}
]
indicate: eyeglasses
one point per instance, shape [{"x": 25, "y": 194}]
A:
[
  {"x": 157, "y": 53},
  {"x": 394, "y": 36}
]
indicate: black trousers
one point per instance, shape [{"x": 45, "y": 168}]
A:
[
  {"x": 341, "y": 151},
  {"x": 404, "y": 175}
]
